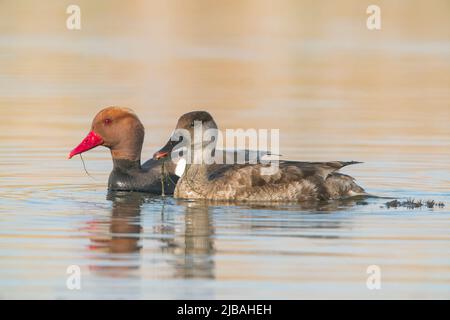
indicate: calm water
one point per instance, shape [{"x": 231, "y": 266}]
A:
[{"x": 334, "y": 89}]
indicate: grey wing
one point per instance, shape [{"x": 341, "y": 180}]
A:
[
  {"x": 322, "y": 169},
  {"x": 243, "y": 156}
]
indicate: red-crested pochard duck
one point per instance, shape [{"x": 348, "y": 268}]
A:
[
  {"x": 120, "y": 130},
  {"x": 294, "y": 181}
]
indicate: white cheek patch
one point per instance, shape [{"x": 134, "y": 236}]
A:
[{"x": 181, "y": 166}]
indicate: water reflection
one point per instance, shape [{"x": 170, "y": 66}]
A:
[
  {"x": 185, "y": 241},
  {"x": 195, "y": 260},
  {"x": 305, "y": 206},
  {"x": 188, "y": 248},
  {"x": 119, "y": 236},
  {"x": 191, "y": 247}
]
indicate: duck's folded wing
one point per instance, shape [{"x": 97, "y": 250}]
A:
[
  {"x": 294, "y": 170},
  {"x": 242, "y": 156},
  {"x": 294, "y": 180},
  {"x": 288, "y": 171},
  {"x": 322, "y": 169},
  {"x": 337, "y": 185}
]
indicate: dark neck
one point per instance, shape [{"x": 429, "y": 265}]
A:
[
  {"x": 125, "y": 175},
  {"x": 126, "y": 165}
]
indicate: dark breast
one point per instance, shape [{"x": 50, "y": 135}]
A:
[{"x": 148, "y": 178}]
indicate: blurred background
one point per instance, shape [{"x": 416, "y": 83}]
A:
[
  {"x": 336, "y": 91},
  {"x": 311, "y": 68}
]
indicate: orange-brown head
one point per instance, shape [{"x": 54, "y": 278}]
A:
[{"x": 117, "y": 128}]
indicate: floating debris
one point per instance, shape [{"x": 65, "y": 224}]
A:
[
  {"x": 84, "y": 167},
  {"x": 413, "y": 204}
]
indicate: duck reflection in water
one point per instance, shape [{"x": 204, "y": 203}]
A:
[
  {"x": 118, "y": 236},
  {"x": 193, "y": 250},
  {"x": 185, "y": 238},
  {"x": 186, "y": 249}
]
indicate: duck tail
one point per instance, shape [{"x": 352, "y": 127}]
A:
[
  {"x": 340, "y": 186},
  {"x": 348, "y": 163}
]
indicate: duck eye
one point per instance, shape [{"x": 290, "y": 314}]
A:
[
  {"x": 107, "y": 121},
  {"x": 192, "y": 124}
]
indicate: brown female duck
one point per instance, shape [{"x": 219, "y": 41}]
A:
[{"x": 294, "y": 181}]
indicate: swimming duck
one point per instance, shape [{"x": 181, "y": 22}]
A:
[
  {"x": 293, "y": 181},
  {"x": 120, "y": 130}
]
